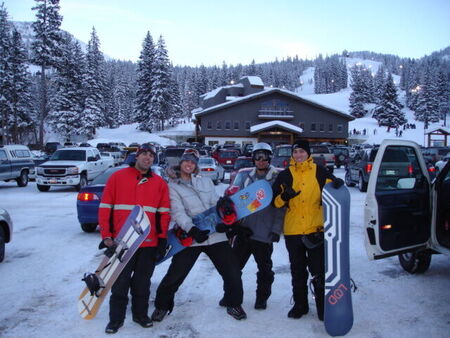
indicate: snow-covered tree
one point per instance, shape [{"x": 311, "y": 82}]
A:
[
  {"x": 388, "y": 112},
  {"x": 46, "y": 50},
  {"x": 93, "y": 115},
  {"x": 379, "y": 83},
  {"x": 145, "y": 79},
  {"x": 357, "y": 96},
  {"x": 5, "y": 73}
]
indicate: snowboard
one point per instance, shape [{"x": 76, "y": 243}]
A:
[
  {"x": 247, "y": 201},
  {"x": 134, "y": 231},
  {"x": 338, "y": 316}
]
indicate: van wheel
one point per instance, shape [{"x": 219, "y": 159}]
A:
[
  {"x": 83, "y": 182},
  {"x": 22, "y": 180},
  {"x": 43, "y": 187},
  {"x": 415, "y": 262},
  {"x": 348, "y": 180},
  {"x": 2, "y": 245},
  {"x": 361, "y": 184},
  {"x": 89, "y": 227}
]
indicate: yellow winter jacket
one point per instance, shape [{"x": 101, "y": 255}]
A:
[{"x": 304, "y": 213}]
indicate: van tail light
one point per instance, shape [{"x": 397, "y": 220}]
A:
[
  {"x": 285, "y": 163},
  {"x": 368, "y": 168},
  {"x": 87, "y": 197},
  {"x": 207, "y": 169},
  {"x": 231, "y": 190},
  {"x": 410, "y": 169},
  {"x": 431, "y": 169}
]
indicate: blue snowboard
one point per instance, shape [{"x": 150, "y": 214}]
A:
[
  {"x": 249, "y": 200},
  {"x": 338, "y": 315}
]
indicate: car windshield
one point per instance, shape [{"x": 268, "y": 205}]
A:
[
  {"x": 206, "y": 161},
  {"x": 228, "y": 154},
  {"x": 284, "y": 151},
  {"x": 69, "y": 155},
  {"x": 243, "y": 163}
]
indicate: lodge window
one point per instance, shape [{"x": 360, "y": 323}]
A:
[
  {"x": 247, "y": 125},
  {"x": 322, "y": 127},
  {"x": 313, "y": 127},
  {"x": 209, "y": 125},
  {"x": 236, "y": 125},
  {"x": 227, "y": 125},
  {"x": 219, "y": 125},
  {"x": 330, "y": 127},
  {"x": 340, "y": 128}
]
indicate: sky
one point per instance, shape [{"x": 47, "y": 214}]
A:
[{"x": 209, "y": 32}]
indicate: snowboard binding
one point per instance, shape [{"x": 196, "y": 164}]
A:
[
  {"x": 183, "y": 236},
  {"x": 93, "y": 283},
  {"x": 226, "y": 210}
]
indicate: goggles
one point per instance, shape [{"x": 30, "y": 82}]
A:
[{"x": 261, "y": 156}]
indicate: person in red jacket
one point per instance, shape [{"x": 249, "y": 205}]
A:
[{"x": 136, "y": 185}]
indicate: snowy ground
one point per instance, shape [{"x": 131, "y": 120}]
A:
[{"x": 41, "y": 280}]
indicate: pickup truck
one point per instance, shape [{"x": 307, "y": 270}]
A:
[
  {"x": 16, "y": 163},
  {"x": 406, "y": 213},
  {"x": 321, "y": 153},
  {"x": 70, "y": 166}
]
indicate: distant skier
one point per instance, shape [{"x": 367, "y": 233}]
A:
[
  {"x": 257, "y": 232},
  {"x": 299, "y": 188},
  {"x": 191, "y": 195},
  {"x": 136, "y": 185}
]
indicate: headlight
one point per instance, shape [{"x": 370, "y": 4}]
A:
[
  {"x": 72, "y": 171},
  {"x": 40, "y": 171}
]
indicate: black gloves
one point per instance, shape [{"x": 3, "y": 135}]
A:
[
  {"x": 288, "y": 192},
  {"x": 109, "y": 249},
  {"x": 337, "y": 183},
  {"x": 199, "y": 235},
  {"x": 274, "y": 237},
  {"x": 234, "y": 230},
  {"x": 161, "y": 249}
]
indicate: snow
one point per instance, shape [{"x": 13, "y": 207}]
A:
[
  {"x": 275, "y": 123},
  {"x": 49, "y": 253},
  {"x": 254, "y": 80}
]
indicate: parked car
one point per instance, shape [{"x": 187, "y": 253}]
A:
[
  {"x": 6, "y": 231},
  {"x": 70, "y": 167},
  {"x": 241, "y": 162},
  {"x": 281, "y": 155},
  {"x": 227, "y": 158},
  {"x": 89, "y": 197},
  {"x": 439, "y": 165},
  {"x": 341, "y": 155},
  {"x": 434, "y": 154},
  {"x": 247, "y": 149},
  {"x": 109, "y": 159},
  {"x": 172, "y": 155},
  {"x": 359, "y": 168},
  {"x": 322, "y": 154},
  {"x": 16, "y": 163},
  {"x": 51, "y": 147},
  {"x": 209, "y": 167},
  {"x": 405, "y": 213}
]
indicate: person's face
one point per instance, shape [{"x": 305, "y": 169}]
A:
[
  {"x": 299, "y": 155},
  {"x": 144, "y": 161},
  {"x": 187, "y": 167},
  {"x": 261, "y": 162}
]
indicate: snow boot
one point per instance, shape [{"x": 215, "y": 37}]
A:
[
  {"x": 237, "y": 312},
  {"x": 298, "y": 310},
  {"x": 260, "y": 303},
  {"x": 143, "y": 321},
  {"x": 113, "y": 327},
  {"x": 222, "y": 302},
  {"x": 158, "y": 315}
]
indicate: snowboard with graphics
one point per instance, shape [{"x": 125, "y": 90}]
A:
[
  {"x": 338, "y": 316},
  {"x": 134, "y": 231},
  {"x": 247, "y": 201}
]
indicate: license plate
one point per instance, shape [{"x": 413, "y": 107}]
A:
[
  {"x": 228, "y": 162},
  {"x": 53, "y": 181},
  {"x": 390, "y": 172}
]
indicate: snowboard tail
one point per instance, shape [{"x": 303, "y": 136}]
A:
[
  {"x": 134, "y": 231},
  {"x": 338, "y": 317},
  {"x": 247, "y": 201}
]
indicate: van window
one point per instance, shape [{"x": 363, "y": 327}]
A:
[{"x": 3, "y": 155}]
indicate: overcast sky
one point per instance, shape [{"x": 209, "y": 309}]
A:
[{"x": 237, "y": 31}]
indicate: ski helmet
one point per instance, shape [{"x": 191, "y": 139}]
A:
[{"x": 263, "y": 151}]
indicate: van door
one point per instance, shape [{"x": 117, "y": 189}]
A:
[
  {"x": 397, "y": 215},
  {"x": 5, "y": 166}
]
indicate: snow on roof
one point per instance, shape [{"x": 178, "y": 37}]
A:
[
  {"x": 254, "y": 80},
  {"x": 432, "y": 130},
  {"x": 214, "y": 92},
  {"x": 275, "y": 123}
]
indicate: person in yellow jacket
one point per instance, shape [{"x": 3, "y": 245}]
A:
[{"x": 299, "y": 188}]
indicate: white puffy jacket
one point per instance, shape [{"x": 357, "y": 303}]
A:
[{"x": 188, "y": 200}]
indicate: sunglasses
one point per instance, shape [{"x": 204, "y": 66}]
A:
[{"x": 261, "y": 158}]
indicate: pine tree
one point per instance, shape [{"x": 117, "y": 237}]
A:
[
  {"x": 389, "y": 113},
  {"x": 68, "y": 101},
  {"x": 5, "y": 74},
  {"x": 20, "y": 90},
  {"x": 357, "y": 97},
  {"x": 46, "y": 50},
  {"x": 379, "y": 83},
  {"x": 145, "y": 78},
  {"x": 93, "y": 115}
]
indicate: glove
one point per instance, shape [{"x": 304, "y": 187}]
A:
[
  {"x": 161, "y": 249},
  {"x": 199, "y": 235},
  {"x": 274, "y": 237},
  {"x": 110, "y": 248},
  {"x": 288, "y": 192},
  {"x": 222, "y": 228},
  {"x": 337, "y": 183}
]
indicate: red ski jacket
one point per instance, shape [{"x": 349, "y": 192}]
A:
[{"x": 127, "y": 188}]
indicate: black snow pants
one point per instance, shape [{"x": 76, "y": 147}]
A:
[
  {"x": 224, "y": 261},
  {"x": 244, "y": 247},
  {"x": 135, "y": 277}
]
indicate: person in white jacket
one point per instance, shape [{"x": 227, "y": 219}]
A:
[{"x": 191, "y": 195}]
